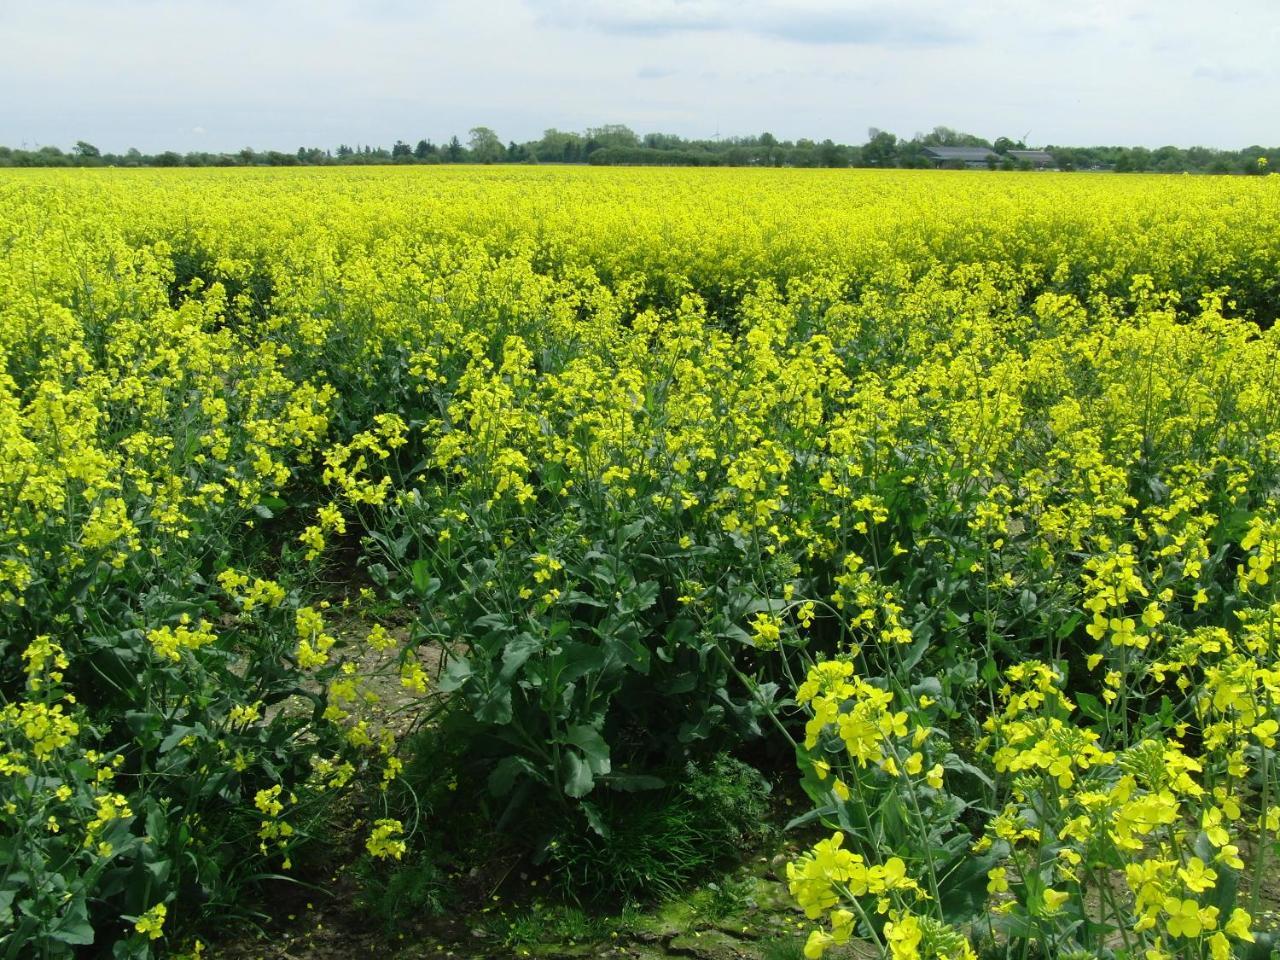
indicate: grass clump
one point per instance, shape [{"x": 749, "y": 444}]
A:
[{"x": 647, "y": 846}]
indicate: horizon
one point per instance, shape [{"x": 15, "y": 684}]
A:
[
  {"x": 357, "y": 147},
  {"x": 199, "y": 76}
]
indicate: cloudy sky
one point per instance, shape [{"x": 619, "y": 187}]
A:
[{"x": 222, "y": 74}]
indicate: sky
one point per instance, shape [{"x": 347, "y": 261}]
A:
[{"x": 276, "y": 74}]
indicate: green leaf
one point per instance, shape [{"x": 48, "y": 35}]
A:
[
  {"x": 379, "y": 574},
  {"x": 455, "y": 675},
  {"x": 964, "y": 888},
  {"x": 681, "y": 630},
  {"x": 594, "y": 819},
  {"x": 157, "y": 825},
  {"x": 516, "y": 653},
  {"x": 641, "y": 597},
  {"x": 508, "y": 770},
  {"x": 1090, "y": 706},
  {"x": 632, "y": 530},
  {"x": 581, "y": 659},
  {"x": 423, "y": 582},
  {"x": 495, "y": 708},
  {"x": 952, "y": 762},
  {"x": 73, "y": 927},
  {"x": 915, "y": 653},
  {"x": 578, "y": 780},
  {"x": 625, "y": 644},
  {"x": 176, "y": 735},
  {"x": 588, "y": 740}
]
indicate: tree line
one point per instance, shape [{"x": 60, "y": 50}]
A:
[{"x": 616, "y": 144}]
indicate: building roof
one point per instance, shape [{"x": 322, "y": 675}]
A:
[
  {"x": 966, "y": 154},
  {"x": 1032, "y": 156}
]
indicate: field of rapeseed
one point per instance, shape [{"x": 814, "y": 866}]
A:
[{"x": 960, "y": 488}]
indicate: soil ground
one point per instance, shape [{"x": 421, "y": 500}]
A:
[{"x": 746, "y": 915}]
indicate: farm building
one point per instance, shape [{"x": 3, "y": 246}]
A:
[
  {"x": 1037, "y": 158},
  {"x": 960, "y": 157}
]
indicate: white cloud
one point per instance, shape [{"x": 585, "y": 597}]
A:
[
  {"x": 852, "y": 23},
  {"x": 280, "y": 73}
]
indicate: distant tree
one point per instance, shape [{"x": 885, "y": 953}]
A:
[
  {"x": 803, "y": 154},
  {"x": 831, "y": 154},
  {"x": 618, "y": 144},
  {"x": 612, "y": 135},
  {"x": 947, "y": 137},
  {"x": 1168, "y": 159},
  {"x": 558, "y": 146},
  {"x": 881, "y": 149},
  {"x": 49, "y": 156},
  {"x": 1249, "y": 158},
  {"x": 484, "y": 145}
]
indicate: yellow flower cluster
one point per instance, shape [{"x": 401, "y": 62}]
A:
[
  {"x": 169, "y": 642},
  {"x": 385, "y": 840},
  {"x": 1005, "y": 447}
]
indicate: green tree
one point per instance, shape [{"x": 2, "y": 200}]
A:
[
  {"x": 832, "y": 154},
  {"x": 485, "y": 145},
  {"x": 558, "y": 146},
  {"x": 947, "y": 137},
  {"x": 881, "y": 149},
  {"x": 612, "y": 135}
]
